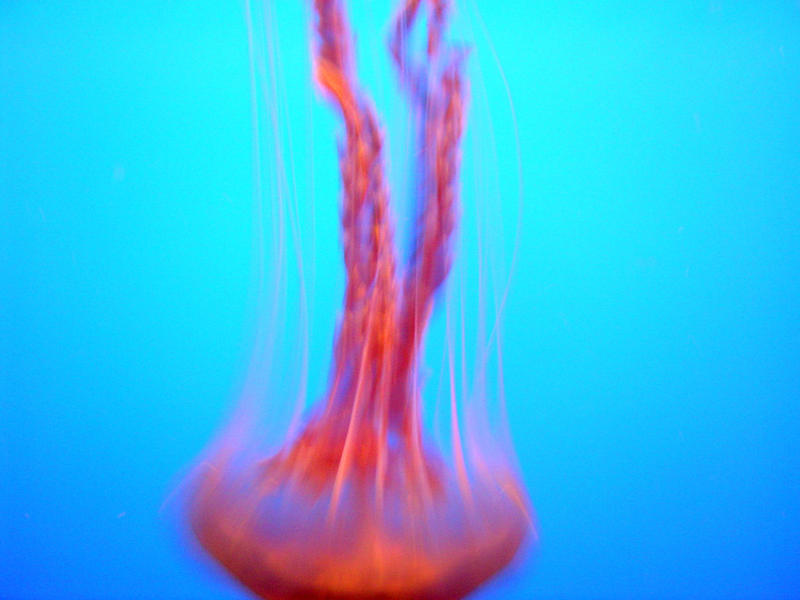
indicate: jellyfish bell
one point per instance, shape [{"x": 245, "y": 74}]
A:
[
  {"x": 280, "y": 529},
  {"x": 358, "y": 500}
]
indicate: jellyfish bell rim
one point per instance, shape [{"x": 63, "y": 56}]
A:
[{"x": 276, "y": 569}]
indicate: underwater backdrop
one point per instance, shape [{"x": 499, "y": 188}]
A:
[{"x": 651, "y": 339}]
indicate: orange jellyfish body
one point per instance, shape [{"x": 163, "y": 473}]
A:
[{"x": 357, "y": 505}]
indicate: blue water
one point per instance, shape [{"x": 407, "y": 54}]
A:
[{"x": 651, "y": 335}]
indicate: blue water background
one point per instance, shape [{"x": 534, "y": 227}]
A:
[{"x": 652, "y": 342}]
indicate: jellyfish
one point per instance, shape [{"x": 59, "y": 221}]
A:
[{"x": 357, "y": 502}]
